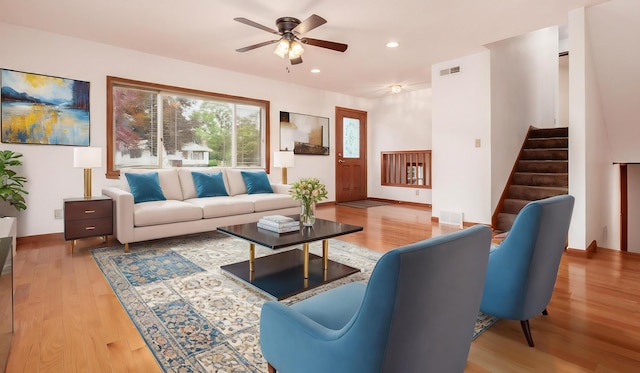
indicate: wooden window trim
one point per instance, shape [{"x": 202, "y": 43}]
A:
[{"x": 112, "y": 81}]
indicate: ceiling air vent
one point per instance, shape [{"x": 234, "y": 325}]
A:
[
  {"x": 455, "y": 69},
  {"x": 444, "y": 72}
]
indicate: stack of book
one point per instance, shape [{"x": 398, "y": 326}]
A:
[{"x": 279, "y": 223}]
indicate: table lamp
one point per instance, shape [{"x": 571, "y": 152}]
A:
[
  {"x": 283, "y": 159},
  {"x": 87, "y": 158}
]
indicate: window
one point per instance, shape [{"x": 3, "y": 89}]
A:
[
  {"x": 411, "y": 168},
  {"x": 152, "y": 125}
]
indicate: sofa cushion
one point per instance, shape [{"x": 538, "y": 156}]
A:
[
  {"x": 145, "y": 187},
  {"x": 186, "y": 179},
  {"x": 257, "y": 182},
  {"x": 168, "y": 177},
  {"x": 209, "y": 185},
  {"x": 164, "y": 212},
  {"x": 235, "y": 180},
  {"x": 266, "y": 201},
  {"x": 215, "y": 207}
]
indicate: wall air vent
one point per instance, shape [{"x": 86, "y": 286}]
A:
[
  {"x": 451, "y": 218},
  {"x": 452, "y": 70}
]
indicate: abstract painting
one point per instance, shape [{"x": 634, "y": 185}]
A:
[
  {"x": 304, "y": 134},
  {"x": 41, "y": 109}
]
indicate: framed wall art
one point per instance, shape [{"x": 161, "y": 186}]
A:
[
  {"x": 304, "y": 134},
  {"x": 41, "y": 109}
]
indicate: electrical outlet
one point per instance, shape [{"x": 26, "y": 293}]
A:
[
  {"x": 478, "y": 143},
  {"x": 57, "y": 214},
  {"x": 417, "y": 192}
]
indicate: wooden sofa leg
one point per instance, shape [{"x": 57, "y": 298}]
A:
[
  {"x": 126, "y": 247},
  {"x": 527, "y": 331},
  {"x": 270, "y": 368}
]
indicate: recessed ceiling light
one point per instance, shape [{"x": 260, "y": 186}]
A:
[
  {"x": 392, "y": 44},
  {"x": 315, "y": 71},
  {"x": 396, "y": 88}
]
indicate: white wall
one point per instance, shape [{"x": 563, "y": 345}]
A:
[
  {"x": 49, "y": 168},
  {"x": 524, "y": 82},
  {"x": 593, "y": 179},
  {"x": 462, "y": 114},
  {"x": 398, "y": 122},
  {"x": 563, "y": 92}
]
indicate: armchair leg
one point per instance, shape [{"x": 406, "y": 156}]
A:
[
  {"x": 527, "y": 331},
  {"x": 545, "y": 312},
  {"x": 270, "y": 368}
]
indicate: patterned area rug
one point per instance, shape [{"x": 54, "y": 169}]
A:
[{"x": 192, "y": 316}]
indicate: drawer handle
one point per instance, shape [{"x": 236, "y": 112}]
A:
[
  {"x": 90, "y": 228},
  {"x": 89, "y": 211}
]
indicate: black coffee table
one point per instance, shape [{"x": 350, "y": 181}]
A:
[{"x": 289, "y": 272}]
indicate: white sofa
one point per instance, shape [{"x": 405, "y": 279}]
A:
[{"x": 184, "y": 213}]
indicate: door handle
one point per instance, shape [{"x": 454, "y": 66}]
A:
[{"x": 340, "y": 161}]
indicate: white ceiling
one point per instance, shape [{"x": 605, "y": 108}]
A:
[{"x": 204, "y": 32}]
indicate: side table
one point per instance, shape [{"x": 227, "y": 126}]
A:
[{"x": 87, "y": 217}]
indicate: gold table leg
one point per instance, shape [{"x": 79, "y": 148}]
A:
[
  {"x": 325, "y": 254},
  {"x": 325, "y": 259},
  {"x": 73, "y": 245},
  {"x": 305, "y": 251},
  {"x": 252, "y": 257}
]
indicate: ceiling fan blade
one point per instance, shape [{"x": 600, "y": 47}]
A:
[
  {"x": 325, "y": 44},
  {"x": 309, "y": 24},
  {"x": 251, "y": 47},
  {"x": 256, "y": 25},
  {"x": 295, "y": 61}
]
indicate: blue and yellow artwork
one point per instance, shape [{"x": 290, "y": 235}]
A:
[{"x": 40, "y": 109}]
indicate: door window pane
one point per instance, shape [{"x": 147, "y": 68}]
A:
[{"x": 351, "y": 138}]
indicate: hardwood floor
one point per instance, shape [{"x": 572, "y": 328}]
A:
[{"x": 67, "y": 319}]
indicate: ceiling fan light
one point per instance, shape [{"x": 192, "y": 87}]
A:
[
  {"x": 295, "y": 50},
  {"x": 282, "y": 48}
]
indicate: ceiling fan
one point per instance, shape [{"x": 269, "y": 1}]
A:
[{"x": 290, "y": 31}]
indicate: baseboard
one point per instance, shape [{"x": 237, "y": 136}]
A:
[
  {"x": 49, "y": 237},
  {"x": 465, "y": 224},
  {"x": 593, "y": 246},
  {"x": 587, "y": 253},
  {"x": 390, "y": 201}
]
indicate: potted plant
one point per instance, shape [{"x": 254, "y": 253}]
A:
[{"x": 11, "y": 184}]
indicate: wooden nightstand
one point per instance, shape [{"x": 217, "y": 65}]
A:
[{"x": 85, "y": 218}]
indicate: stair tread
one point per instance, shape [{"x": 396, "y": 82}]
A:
[
  {"x": 541, "y": 173},
  {"x": 538, "y": 187}
]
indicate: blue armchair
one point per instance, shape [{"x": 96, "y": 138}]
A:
[
  {"x": 416, "y": 314},
  {"x": 522, "y": 271}
]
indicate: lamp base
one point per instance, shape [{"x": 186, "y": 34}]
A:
[
  {"x": 284, "y": 175},
  {"x": 87, "y": 183}
]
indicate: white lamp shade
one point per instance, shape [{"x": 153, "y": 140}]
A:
[
  {"x": 283, "y": 159},
  {"x": 88, "y": 157}
]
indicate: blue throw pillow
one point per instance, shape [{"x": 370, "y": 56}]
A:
[
  {"x": 145, "y": 187},
  {"x": 256, "y": 182},
  {"x": 209, "y": 185}
]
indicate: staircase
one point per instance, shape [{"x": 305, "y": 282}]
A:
[{"x": 541, "y": 171}]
